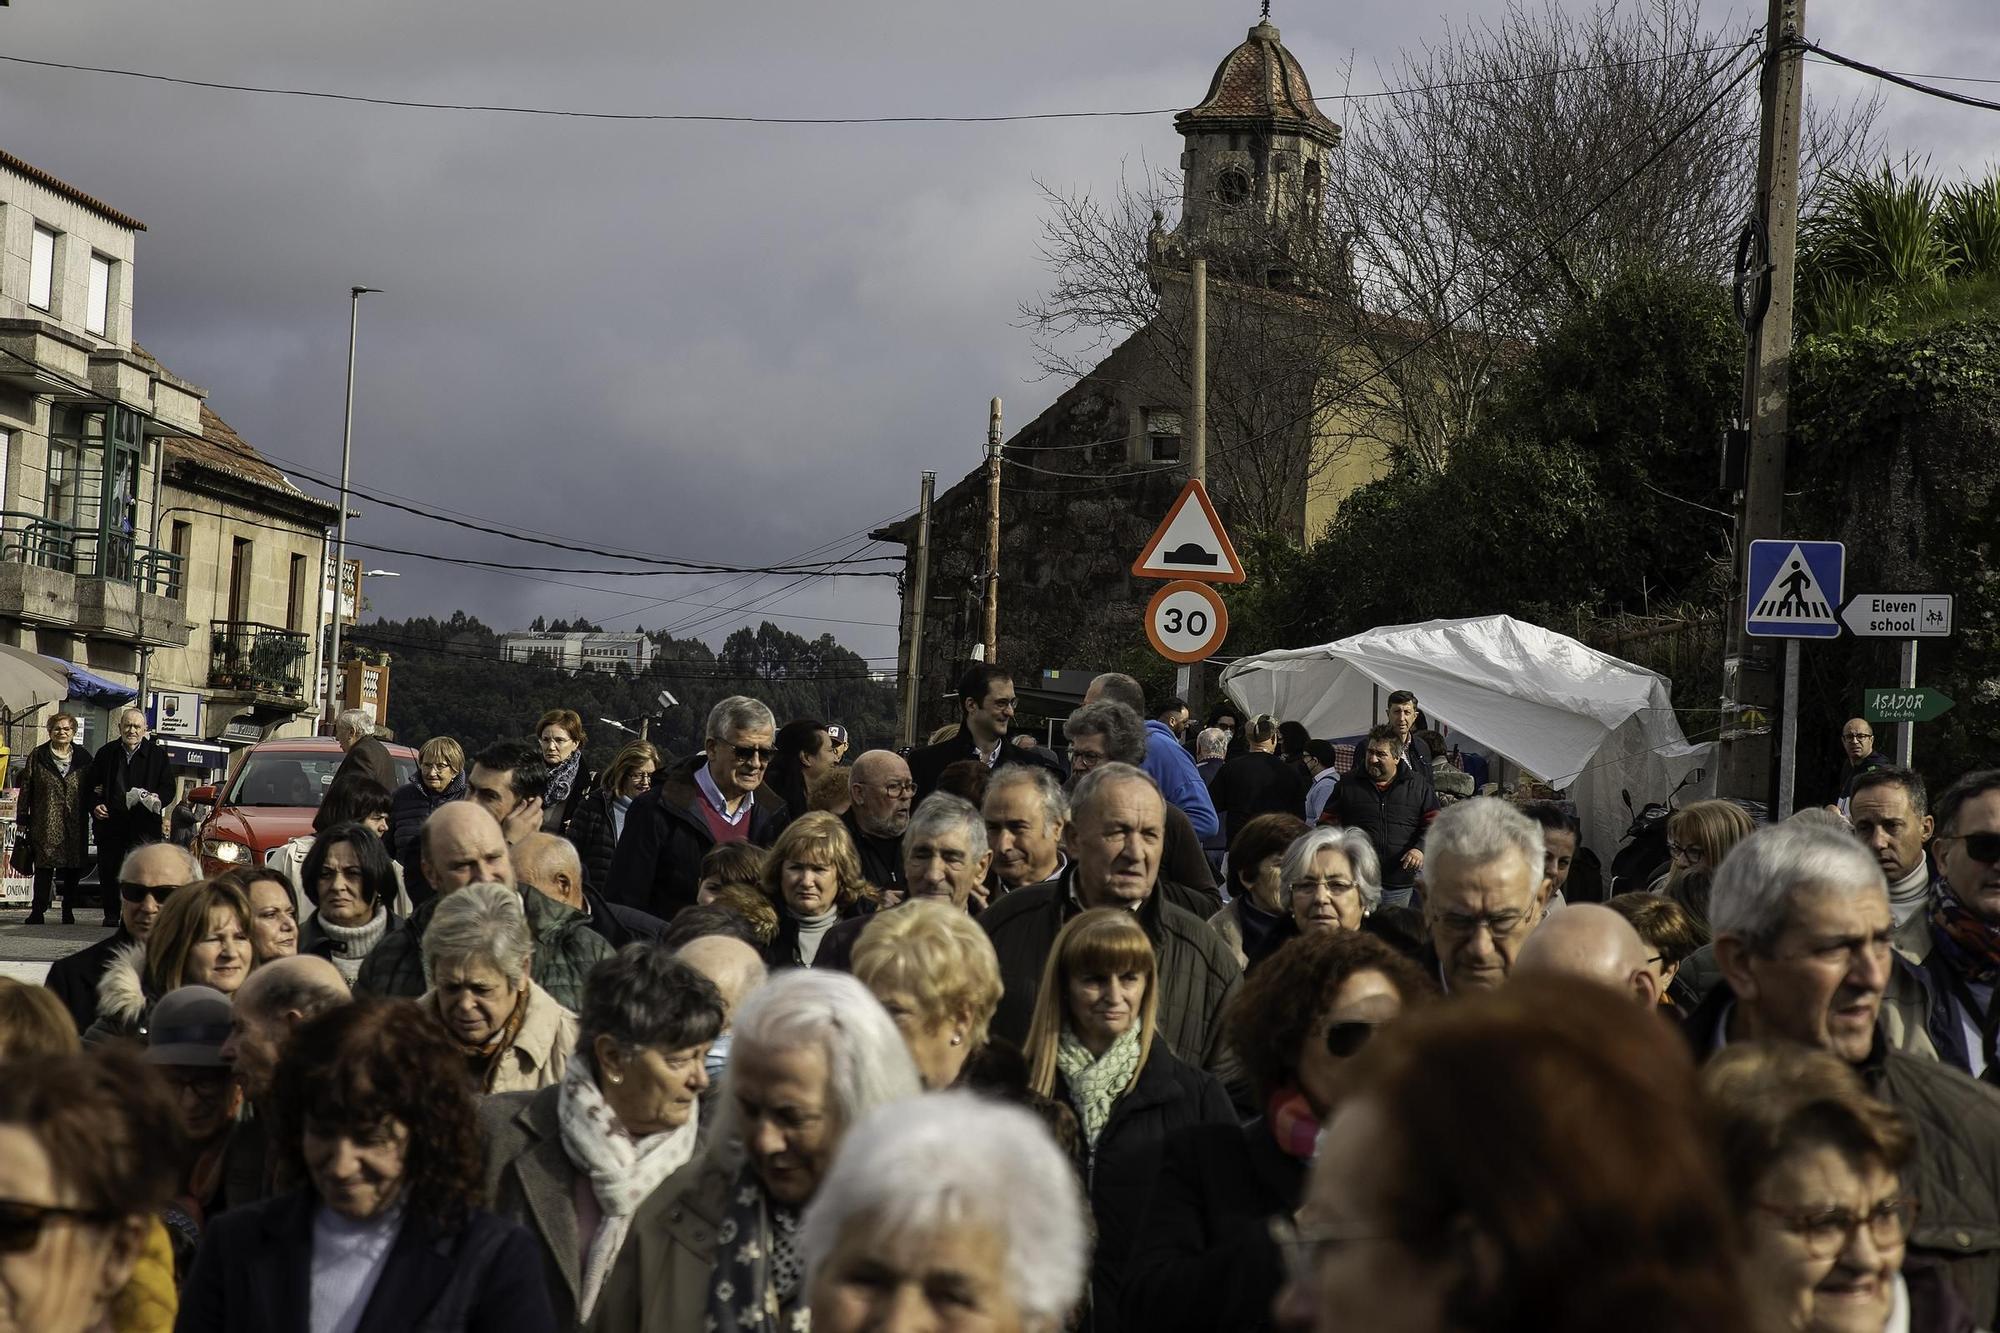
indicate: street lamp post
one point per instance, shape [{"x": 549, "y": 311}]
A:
[{"x": 340, "y": 539}]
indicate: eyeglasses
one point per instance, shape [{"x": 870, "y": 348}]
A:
[
  {"x": 1312, "y": 888},
  {"x": 1500, "y": 926},
  {"x": 1827, "y": 1232},
  {"x": 1681, "y": 851},
  {"x": 21, "y": 1223},
  {"x": 1083, "y": 758},
  {"x": 1981, "y": 847},
  {"x": 138, "y": 893},
  {"x": 896, "y": 788},
  {"x": 1347, "y": 1039},
  {"x": 1857, "y": 735},
  {"x": 1301, "y": 1247},
  {"x": 439, "y": 767},
  {"x": 206, "y": 1085},
  {"x": 762, "y": 754}
]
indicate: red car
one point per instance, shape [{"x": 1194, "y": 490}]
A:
[{"x": 271, "y": 797}]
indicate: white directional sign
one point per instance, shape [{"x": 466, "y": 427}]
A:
[
  {"x": 1898, "y": 615},
  {"x": 1186, "y": 621}
]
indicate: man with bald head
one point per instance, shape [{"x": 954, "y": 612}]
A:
[
  {"x": 463, "y": 844},
  {"x": 1595, "y": 943},
  {"x": 266, "y": 1010},
  {"x": 737, "y": 970},
  {"x": 880, "y": 813},
  {"x": 550, "y": 864},
  {"x": 1114, "y": 838}
]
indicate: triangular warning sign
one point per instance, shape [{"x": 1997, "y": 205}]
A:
[
  {"x": 1190, "y": 544},
  {"x": 1794, "y": 595}
]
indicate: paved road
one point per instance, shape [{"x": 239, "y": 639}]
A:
[{"x": 26, "y": 951}]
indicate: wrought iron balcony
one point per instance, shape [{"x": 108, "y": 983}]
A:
[
  {"x": 48, "y": 543},
  {"x": 256, "y": 659}
]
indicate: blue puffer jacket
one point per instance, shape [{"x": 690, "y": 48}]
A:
[{"x": 411, "y": 805}]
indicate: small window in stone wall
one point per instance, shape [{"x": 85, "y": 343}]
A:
[{"x": 1163, "y": 435}]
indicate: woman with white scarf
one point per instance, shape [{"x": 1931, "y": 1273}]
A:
[{"x": 574, "y": 1161}]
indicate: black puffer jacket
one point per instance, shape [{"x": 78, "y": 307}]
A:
[
  {"x": 594, "y": 832},
  {"x": 409, "y": 806},
  {"x": 1119, "y": 1170},
  {"x": 1394, "y": 819}
]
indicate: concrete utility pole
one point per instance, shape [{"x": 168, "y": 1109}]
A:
[
  {"x": 1749, "y": 682},
  {"x": 920, "y": 592},
  {"x": 1188, "y": 680},
  {"x": 993, "y": 532},
  {"x": 1198, "y": 375},
  {"x": 340, "y": 541}
]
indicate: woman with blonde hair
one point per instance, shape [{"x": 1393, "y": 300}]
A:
[
  {"x": 201, "y": 938},
  {"x": 600, "y": 816},
  {"x": 1698, "y": 837},
  {"x": 440, "y": 778},
  {"x": 1091, "y": 1044},
  {"x": 935, "y": 971},
  {"x": 813, "y": 877}
]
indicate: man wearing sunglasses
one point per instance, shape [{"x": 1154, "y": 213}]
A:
[
  {"x": 1940, "y": 997},
  {"x": 714, "y": 797},
  {"x": 1802, "y": 937},
  {"x": 148, "y": 875}
]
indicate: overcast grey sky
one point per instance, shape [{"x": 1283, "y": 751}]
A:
[{"x": 723, "y": 342}]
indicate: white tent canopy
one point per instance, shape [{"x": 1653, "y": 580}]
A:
[{"x": 1568, "y": 714}]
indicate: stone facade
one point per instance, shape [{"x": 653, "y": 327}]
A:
[
  {"x": 1086, "y": 482},
  {"x": 83, "y": 410}
]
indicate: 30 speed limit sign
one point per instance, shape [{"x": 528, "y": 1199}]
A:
[{"x": 1186, "y": 621}]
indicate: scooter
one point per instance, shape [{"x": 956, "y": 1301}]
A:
[
  {"x": 1643, "y": 860},
  {"x": 1643, "y": 857}
]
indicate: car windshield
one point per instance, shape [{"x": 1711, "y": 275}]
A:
[{"x": 295, "y": 780}]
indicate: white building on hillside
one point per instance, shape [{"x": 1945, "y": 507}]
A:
[{"x": 576, "y": 650}]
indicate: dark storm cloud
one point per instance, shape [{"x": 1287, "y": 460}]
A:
[{"x": 725, "y": 342}]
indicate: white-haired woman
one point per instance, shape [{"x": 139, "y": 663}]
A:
[
  {"x": 1332, "y": 878},
  {"x": 910, "y": 1226},
  {"x": 573, "y": 1162},
  {"x": 811, "y": 1054},
  {"x": 477, "y": 958}
]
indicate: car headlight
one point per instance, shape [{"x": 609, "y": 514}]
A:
[{"x": 224, "y": 850}]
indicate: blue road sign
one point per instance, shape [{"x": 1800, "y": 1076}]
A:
[{"x": 1795, "y": 589}]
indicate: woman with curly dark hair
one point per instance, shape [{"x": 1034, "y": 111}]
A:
[
  {"x": 1206, "y": 1259},
  {"x": 387, "y": 1233}
]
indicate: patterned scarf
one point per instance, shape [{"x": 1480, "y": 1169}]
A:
[
  {"x": 1096, "y": 1082},
  {"x": 757, "y": 1287},
  {"x": 483, "y": 1061},
  {"x": 1969, "y": 943},
  {"x": 562, "y": 777},
  {"x": 623, "y": 1171},
  {"x": 1292, "y": 1123}
]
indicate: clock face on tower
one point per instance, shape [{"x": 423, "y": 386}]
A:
[{"x": 1232, "y": 186}]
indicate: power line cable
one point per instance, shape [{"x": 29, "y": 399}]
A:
[
  {"x": 1902, "y": 80},
  {"x": 714, "y": 118}
]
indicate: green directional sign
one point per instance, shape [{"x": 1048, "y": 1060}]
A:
[{"x": 1905, "y": 705}]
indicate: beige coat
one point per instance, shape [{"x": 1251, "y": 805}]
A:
[
  {"x": 661, "y": 1279},
  {"x": 541, "y": 1049}
]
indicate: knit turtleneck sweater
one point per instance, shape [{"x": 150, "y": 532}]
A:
[
  {"x": 351, "y": 944},
  {"x": 1912, "y": 893},
  {"x": 812, "y": 929}
]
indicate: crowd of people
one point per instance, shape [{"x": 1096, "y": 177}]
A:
[{"x": 1167, "y": 1031}]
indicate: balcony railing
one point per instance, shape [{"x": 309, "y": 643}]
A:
[
  {"x": 87, "y": 553},
  {"x": 256, "y": 659}
]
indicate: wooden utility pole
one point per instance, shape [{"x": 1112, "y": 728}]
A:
[
  {"x": 1750, "y": 684},
  {"x": 920, "y": 592},
  {"x": 992, "y": 642}
]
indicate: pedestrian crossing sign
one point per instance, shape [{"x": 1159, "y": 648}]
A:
[{"x": 1794, "y": 589}]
